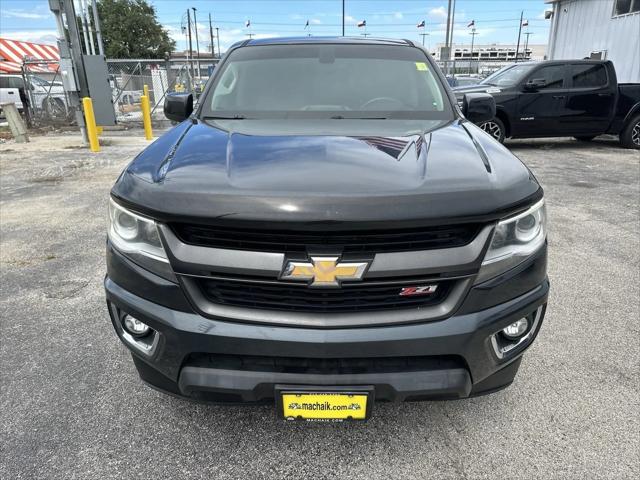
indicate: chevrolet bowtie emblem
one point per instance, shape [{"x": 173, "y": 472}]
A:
[{"x": 324, "y": 271}]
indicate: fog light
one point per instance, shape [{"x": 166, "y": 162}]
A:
[
  {"x": 516, "y": 329},
  {"x": 135, "y": 327}
]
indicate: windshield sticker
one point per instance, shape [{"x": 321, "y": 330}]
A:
[
  {"x": 493, "y": 90},
  {"x": 421, "y": 66}
]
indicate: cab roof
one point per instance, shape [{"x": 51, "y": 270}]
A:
[{"x": 326, "y": 40}]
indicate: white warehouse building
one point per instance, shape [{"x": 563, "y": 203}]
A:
[{"x": 601, "y": 29}]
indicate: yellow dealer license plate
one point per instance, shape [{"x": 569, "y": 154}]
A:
[{"x": 324, "y": 405}]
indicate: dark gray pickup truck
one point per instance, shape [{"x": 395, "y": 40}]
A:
[
  {"x": 327, "y": 229},
  {"x": 561, "y": 98}
]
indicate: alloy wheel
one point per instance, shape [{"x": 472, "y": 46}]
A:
[
  {"x": 493, "y": 129},
  {"x": 635, "y": 134}
]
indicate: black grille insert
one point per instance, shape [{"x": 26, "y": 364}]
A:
[
  {"x": 293, "y": 297},
  {"x": 288, "y": 241},
  {"x": 324, "y": 366}
]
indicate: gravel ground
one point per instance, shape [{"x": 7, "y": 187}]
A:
[{"x": 72, "y": 405}]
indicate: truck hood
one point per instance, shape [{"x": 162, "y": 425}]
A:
[
  {"x": 460, "y": 91},
  {"x": 325, "y": 170}
]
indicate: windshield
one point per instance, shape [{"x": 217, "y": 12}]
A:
[
  {"x": 327, "y": 81},
  {"x": 507, "y": 76},
  {"x": 38, "y": 81}
]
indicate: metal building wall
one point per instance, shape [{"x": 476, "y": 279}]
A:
[{"x": 580, "y": 27}]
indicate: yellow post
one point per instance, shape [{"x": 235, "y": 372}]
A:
[
  {"x": 146, "y": 117},
  {"x": 145, "y": 90},
  {"x": 90, "y": 120}
]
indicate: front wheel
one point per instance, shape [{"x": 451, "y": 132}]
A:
[
  {"x": 630, "y": 136},
  {"x": 54, "y": 108},
  {"x": 495, "y": 128}
]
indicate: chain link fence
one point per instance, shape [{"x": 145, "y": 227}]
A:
[
  {"x": 45, "y": 104},
  {"x": 129, "y": 77},
  {"x": 44, "y": 101}
]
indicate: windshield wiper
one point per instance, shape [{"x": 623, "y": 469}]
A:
[{"x": 235, "y": 116}]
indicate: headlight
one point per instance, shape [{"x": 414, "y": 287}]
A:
[
  {"x": 137, "y": 238},
  {"x": 515, "y": 239}
]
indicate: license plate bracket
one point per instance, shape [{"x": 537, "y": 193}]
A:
[{"x": 324, "y": 403}]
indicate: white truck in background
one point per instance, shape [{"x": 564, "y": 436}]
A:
[{"x": 46, "y": 97}]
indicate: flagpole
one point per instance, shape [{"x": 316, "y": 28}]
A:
[
  {"x": 519, "y": 32},
  {"x": 213, "y": 49},
  {"x": 473, "y": 37},
  {"x": 423, "y": 25},
  {"x": 343, "y": 18}
]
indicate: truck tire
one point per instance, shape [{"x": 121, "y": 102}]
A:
[
  {"x": 495, "y": 128},
  {"x": 585, "y": 138},
  {"x": 630, "y": 136}
]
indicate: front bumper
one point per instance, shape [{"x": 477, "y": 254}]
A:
[{"x": 220, "y": 360}]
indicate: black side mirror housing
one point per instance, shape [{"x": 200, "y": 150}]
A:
[
  {"x": 478, "y": 107},
  {"x": 178, "y": 106},
  {"x": 534, "y": 84}
]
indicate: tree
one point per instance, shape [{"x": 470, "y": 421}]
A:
[{"x": 130, "y": 29}]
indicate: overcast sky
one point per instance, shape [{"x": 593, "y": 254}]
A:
[{"x": 496, "y": 20}]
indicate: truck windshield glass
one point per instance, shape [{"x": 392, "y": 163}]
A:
[
  {"x": 507, "y": 76},
  {"x": 327, "y": 81}
]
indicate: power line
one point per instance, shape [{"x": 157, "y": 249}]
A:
[{"x": 382, "y": 24}]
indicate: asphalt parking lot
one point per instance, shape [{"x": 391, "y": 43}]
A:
[{"x": 72, "y": 406}]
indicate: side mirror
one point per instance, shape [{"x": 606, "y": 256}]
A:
[
  {"x": 535, "y": 84},
  {"x": 178, "y": 106},
  {"x": 478, "y": 107}
]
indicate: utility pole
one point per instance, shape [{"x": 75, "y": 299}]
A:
[
  {"x": 526, "y": 43},
  {"x": 423, "y": 35},
  {"x": 453, "y": 21},
  {"x": 343, "y": 18},
  {"x": 519, "y": 32},
  {"x": 218, "y": 40},
  {"x": 447, "y": 52},
  {"x": 96, "y": 20},
  {"x": 195, "y": 23},
  {"x": 190, "y": 56},
  {"x": 473, "y": 37},
  {"x": 213, "y": 50}
]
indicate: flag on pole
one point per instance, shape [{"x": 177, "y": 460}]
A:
[
  {"x": 248, "y": 24},
  {"x": 362, "y": 23},
  {"x": 421, "y": 24},
  {"x": 525, "y": 23},
  {"x": 472, "y": 23},
  {"x": 306, "y": 25}
]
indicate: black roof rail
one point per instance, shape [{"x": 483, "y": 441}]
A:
[{"x": 409, "y": 42}]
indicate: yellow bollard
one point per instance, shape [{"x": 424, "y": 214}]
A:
[
  {"x": 146, "y": 117},
  {"x": 145, "y": 90},
  {"x": 90, "y": 120}
]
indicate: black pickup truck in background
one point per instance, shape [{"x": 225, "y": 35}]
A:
[{"x": 563, "y": 98}]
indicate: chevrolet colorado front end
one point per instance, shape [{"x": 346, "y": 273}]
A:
[{"x": 327, "y": 228}]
